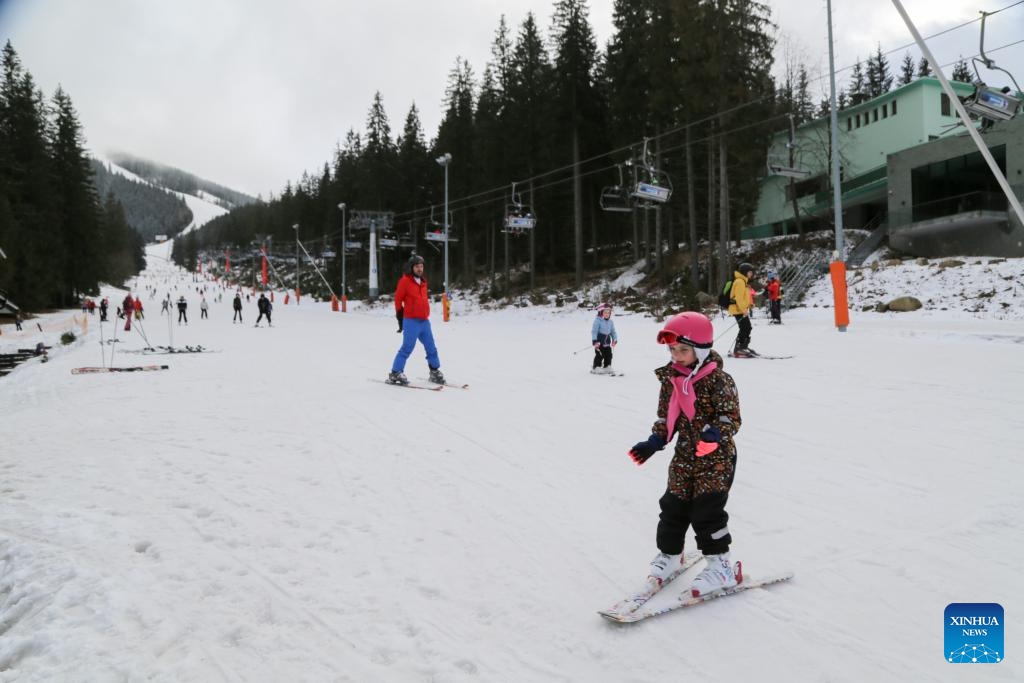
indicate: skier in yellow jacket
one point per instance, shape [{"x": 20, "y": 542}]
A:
[{"x": 741, "y": 300}]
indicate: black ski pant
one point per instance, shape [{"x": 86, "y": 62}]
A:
[
  {"x": 603, "y": 357},
  {"x": 743, "y": 339},
  {"x": 203, "y": 313},
  {"x": 258, "y": 319},
  {"x": 238, "y": 315},
  {"x": 182, "y": 316},
  {"x": 776, "y": 308},
  {"x": 706, "y": 514}
]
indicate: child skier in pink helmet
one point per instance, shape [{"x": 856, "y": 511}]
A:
[{"x": 699, "y": 404}]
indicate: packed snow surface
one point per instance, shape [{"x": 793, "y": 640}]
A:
[{"x": 267, "y": 512}]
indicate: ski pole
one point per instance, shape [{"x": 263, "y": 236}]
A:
[
  {"x": 585, "y": 348},
  {"x": 734, "y": 323}
]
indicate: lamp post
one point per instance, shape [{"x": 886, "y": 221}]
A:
[
  {"x": 344, "y": 245},
  {"x": 295, "y": 227},
  {"x": 445, "y": 160}
]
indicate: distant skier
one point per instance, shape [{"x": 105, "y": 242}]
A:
[
  {"x": 774, "y": 292},
  {"x": 742, "y": 301},
  {"x": 17, "y": 321},
  {"x": 165, "y": 307},
  {"x": 237, "y": 305},
  {"x": 204, "y": 308},
  {"x": 182, "y": 309},
  {"x": 138, "y": 309},
  {"x": 127, "y": 310},
  {"x": 412, "y": 308},
  {"x": 604, "y": 338},
  {"x": 104, "y": 307},
  {"x": 698, "y": 402},
  {"x": 263, "y": 304}
]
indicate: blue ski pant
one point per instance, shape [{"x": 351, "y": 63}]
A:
[{"x": 413, "y": 330}]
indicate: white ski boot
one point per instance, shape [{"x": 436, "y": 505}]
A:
[
  {"x": 663, "y": 565},
  {"x": 718, "y": 574}
]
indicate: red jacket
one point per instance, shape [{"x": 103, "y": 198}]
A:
[
  {"x": 773, "y": 290},
  {"x": 412, "y": 297}
]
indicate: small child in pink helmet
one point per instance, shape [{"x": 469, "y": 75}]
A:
[
  {"x": 698, "y": 403},
  {"x": 604, "y": 338}
]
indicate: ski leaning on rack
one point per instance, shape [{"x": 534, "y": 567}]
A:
[
  {"x": 137, "y": 368},
  {"x": 621, "y": 610},
  {"x": 686, "y": 601},
  {"x": 410, "y": 385}
]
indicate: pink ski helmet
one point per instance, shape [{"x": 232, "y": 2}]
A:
[
  {"x": 603, "y": 307},
  {"x": 691, "y": 328}
]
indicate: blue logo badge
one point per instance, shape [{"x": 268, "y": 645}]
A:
[{"x": 974, "y": 633}]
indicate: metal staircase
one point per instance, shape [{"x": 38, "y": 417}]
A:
[
  {"x": 797, "y": 277},
  {"x": 879, "y": 228}
]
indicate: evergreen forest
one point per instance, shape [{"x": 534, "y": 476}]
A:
[{"x": 59, "y": 238}]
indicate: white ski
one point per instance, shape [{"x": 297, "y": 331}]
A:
[
  {"x": 410, "y": 385},
  {"x": 623, "y": 608},
  {"x": 685, "y": 600}
]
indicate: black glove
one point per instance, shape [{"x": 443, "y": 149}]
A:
[
  {"x": 645, "y": 449},
  {"x": 711, "y": 434},
  {"x": 400, "y": 315}
]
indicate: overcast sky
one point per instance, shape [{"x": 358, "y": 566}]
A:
[{"x": 249, "y": 93}]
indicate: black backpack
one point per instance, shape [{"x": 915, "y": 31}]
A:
[{"x": 724, "y": 297}]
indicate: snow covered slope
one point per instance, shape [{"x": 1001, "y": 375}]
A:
[{"x": 266, "y": 513}]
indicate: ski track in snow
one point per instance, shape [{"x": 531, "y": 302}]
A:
[{"x": 265, "y": 514}]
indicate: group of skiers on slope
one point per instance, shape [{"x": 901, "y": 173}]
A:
[
  {"x": 263, "y": 305},
  {"x": 132, "y": 306}
]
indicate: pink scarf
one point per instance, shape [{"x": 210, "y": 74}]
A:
[{"x": 684, "y": 394}]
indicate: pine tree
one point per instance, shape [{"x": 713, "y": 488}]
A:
[
  {"x": 456, "y": 136},
  {"x": 75, "y": 201},
  {"x": 962, "y": 72},
  {"x": 25, "y": 180},
  {"x": 906, "y": 70},
  {"x": 578, "y": 110},
  {"x": 858, "y": 84},
  {"x": 879, "y": 80},
  {"x": 413, "y": 163},
  {"x": 924, "y": 69},
  {"x": 379, "y": 158}
]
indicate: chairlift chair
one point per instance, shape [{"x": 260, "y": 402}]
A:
[
  {"x": 388, "y": 240},
  {"x": 780, "y": 163},
  {"x": 990, "y": 104},
  {"x": 616, "y": 197},
  {"x": 407, "y": 240},
  {"x": 518, "y": 217},
  {"x": 651, "y": 185}
]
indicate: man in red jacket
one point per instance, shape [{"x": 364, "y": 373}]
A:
[{"x": 412, "y": 308}]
